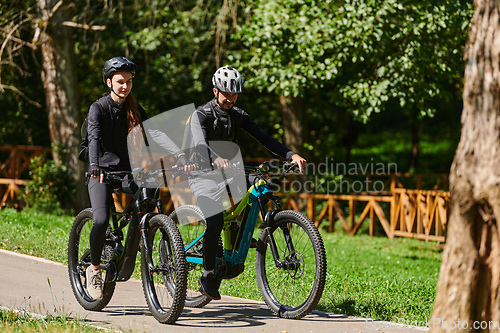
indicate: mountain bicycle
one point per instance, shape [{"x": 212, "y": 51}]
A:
[
  {"x": 163, "y": 260},
  {"x": 290, "y": 260}
]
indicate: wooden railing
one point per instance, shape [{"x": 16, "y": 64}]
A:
[
  {"x": 333, "y": 208},
  {"x": 412, "y": 213},
  {"x": 420, "y": 214},
  {"x": 18, "y": 160},
  {"x": 13, "y": 166},
  {"x": 400, "y": 212}
]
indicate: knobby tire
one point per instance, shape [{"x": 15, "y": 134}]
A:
[
  {"x": 191, "y": 224},
  {"x": 79, "y": 260},
  {"x": 165, "y": 289},
  {"x": 292, "y": 293}
]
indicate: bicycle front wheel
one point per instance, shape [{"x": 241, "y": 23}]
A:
[
  {"x": 164, "y": 279},
  {"x": 191, "y": 225},
  {"x": 79, "y": 260},
  {"x": 295, "y": 289}
]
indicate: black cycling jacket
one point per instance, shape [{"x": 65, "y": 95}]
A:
[
  {"x": 223, "y": 126},
  {"x": 107, "y": 132}
]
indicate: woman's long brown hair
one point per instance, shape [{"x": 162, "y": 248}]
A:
[{"x": 133, "y": 115}]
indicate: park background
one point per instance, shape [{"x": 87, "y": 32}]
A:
[
  {"x": 349, "y": 81},
  {"x": 344, "y": 81}
]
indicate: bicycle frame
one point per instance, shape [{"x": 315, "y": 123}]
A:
[
  {"x": 136, "y": 215},
  {"x": 124, "y": 257},
  {"x": 253, "y": 202}
]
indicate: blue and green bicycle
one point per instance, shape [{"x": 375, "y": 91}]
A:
[{"x": 290, "y": 260}]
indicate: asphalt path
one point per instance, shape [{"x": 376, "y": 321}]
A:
[{"x": 41, "y": 286}]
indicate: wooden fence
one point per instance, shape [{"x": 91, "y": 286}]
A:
[
  {"x": 420, "y": 214},
  {"x": 401, "y": 212},
  {"x": 14, "y": 165},
  {"x": 407, "y": 213},
  {"x": 404, "y": 213}
]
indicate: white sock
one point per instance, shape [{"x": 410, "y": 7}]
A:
[{"x": 205, "y": 273}]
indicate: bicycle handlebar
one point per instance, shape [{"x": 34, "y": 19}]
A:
[
  {"x": 140, "y": 174},
  {"x": 266, "y": 167}
]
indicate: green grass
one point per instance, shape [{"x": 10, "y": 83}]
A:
[
  {"x": 373, "y": 277},
  {"x": 381, "y": 278},
  {"x": 33, "y": 233},
  {"x": 11, "y": 321},
  {"x": 370, "y": 277}
]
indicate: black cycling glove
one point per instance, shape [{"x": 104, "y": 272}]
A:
[
  {"x": 182, "y": 161},
  {"x": 95, "y": 171}
]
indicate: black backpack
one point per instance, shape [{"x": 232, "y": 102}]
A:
[
  {"x": 83, "y": 155},
  {"x": 235, "y": 122},
  {"x": 186, "y": 142}
]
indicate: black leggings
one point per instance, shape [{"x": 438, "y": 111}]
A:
[
  {"x": 215, "y": 224},
  {"x": 100, "y": 199}
]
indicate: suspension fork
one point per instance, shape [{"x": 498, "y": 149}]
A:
[
  {"x": 269, "y": 225},
  {"x": 288, "y": 240},
  {"x": 273, "y": 247},
  {"x": 144, "y": 226}
]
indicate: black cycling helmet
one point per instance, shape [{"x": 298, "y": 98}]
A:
[
  {"x": 228, "y": 79},
  {"x": 116, "y": 64}
]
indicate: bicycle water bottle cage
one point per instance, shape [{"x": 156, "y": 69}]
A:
[{"x": 234, "y": 232}]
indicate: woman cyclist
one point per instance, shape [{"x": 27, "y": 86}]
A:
[{"x": 109, "y": 121}]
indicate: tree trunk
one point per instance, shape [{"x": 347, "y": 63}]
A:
[
  {"x": 415, "y": 140},
  {"x": 61, "y": 91},
  {"x": 468, "y": 286},
  {"x": 348, "y": 133},
  {"x": 293, "y": 115}
]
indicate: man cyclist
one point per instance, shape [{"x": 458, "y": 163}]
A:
[{"x": 220, "y": 120}]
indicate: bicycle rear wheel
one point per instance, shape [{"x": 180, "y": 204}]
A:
[
  {"x": 164, "y": 279},
  {"x": 79, "y": 260},
  {"x": 191, "y": 225},
  {"x": 295, "y": 291}
]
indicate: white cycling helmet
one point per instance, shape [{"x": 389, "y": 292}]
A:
[{"x": 228, "y": 79}]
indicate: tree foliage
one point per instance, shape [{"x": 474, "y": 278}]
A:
[
  {"x": 290, "y": 45},
  {"x": 370, "y": 50},
  {"x": 346, "y": 59},
  {"x": 49, "y": 187}
]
